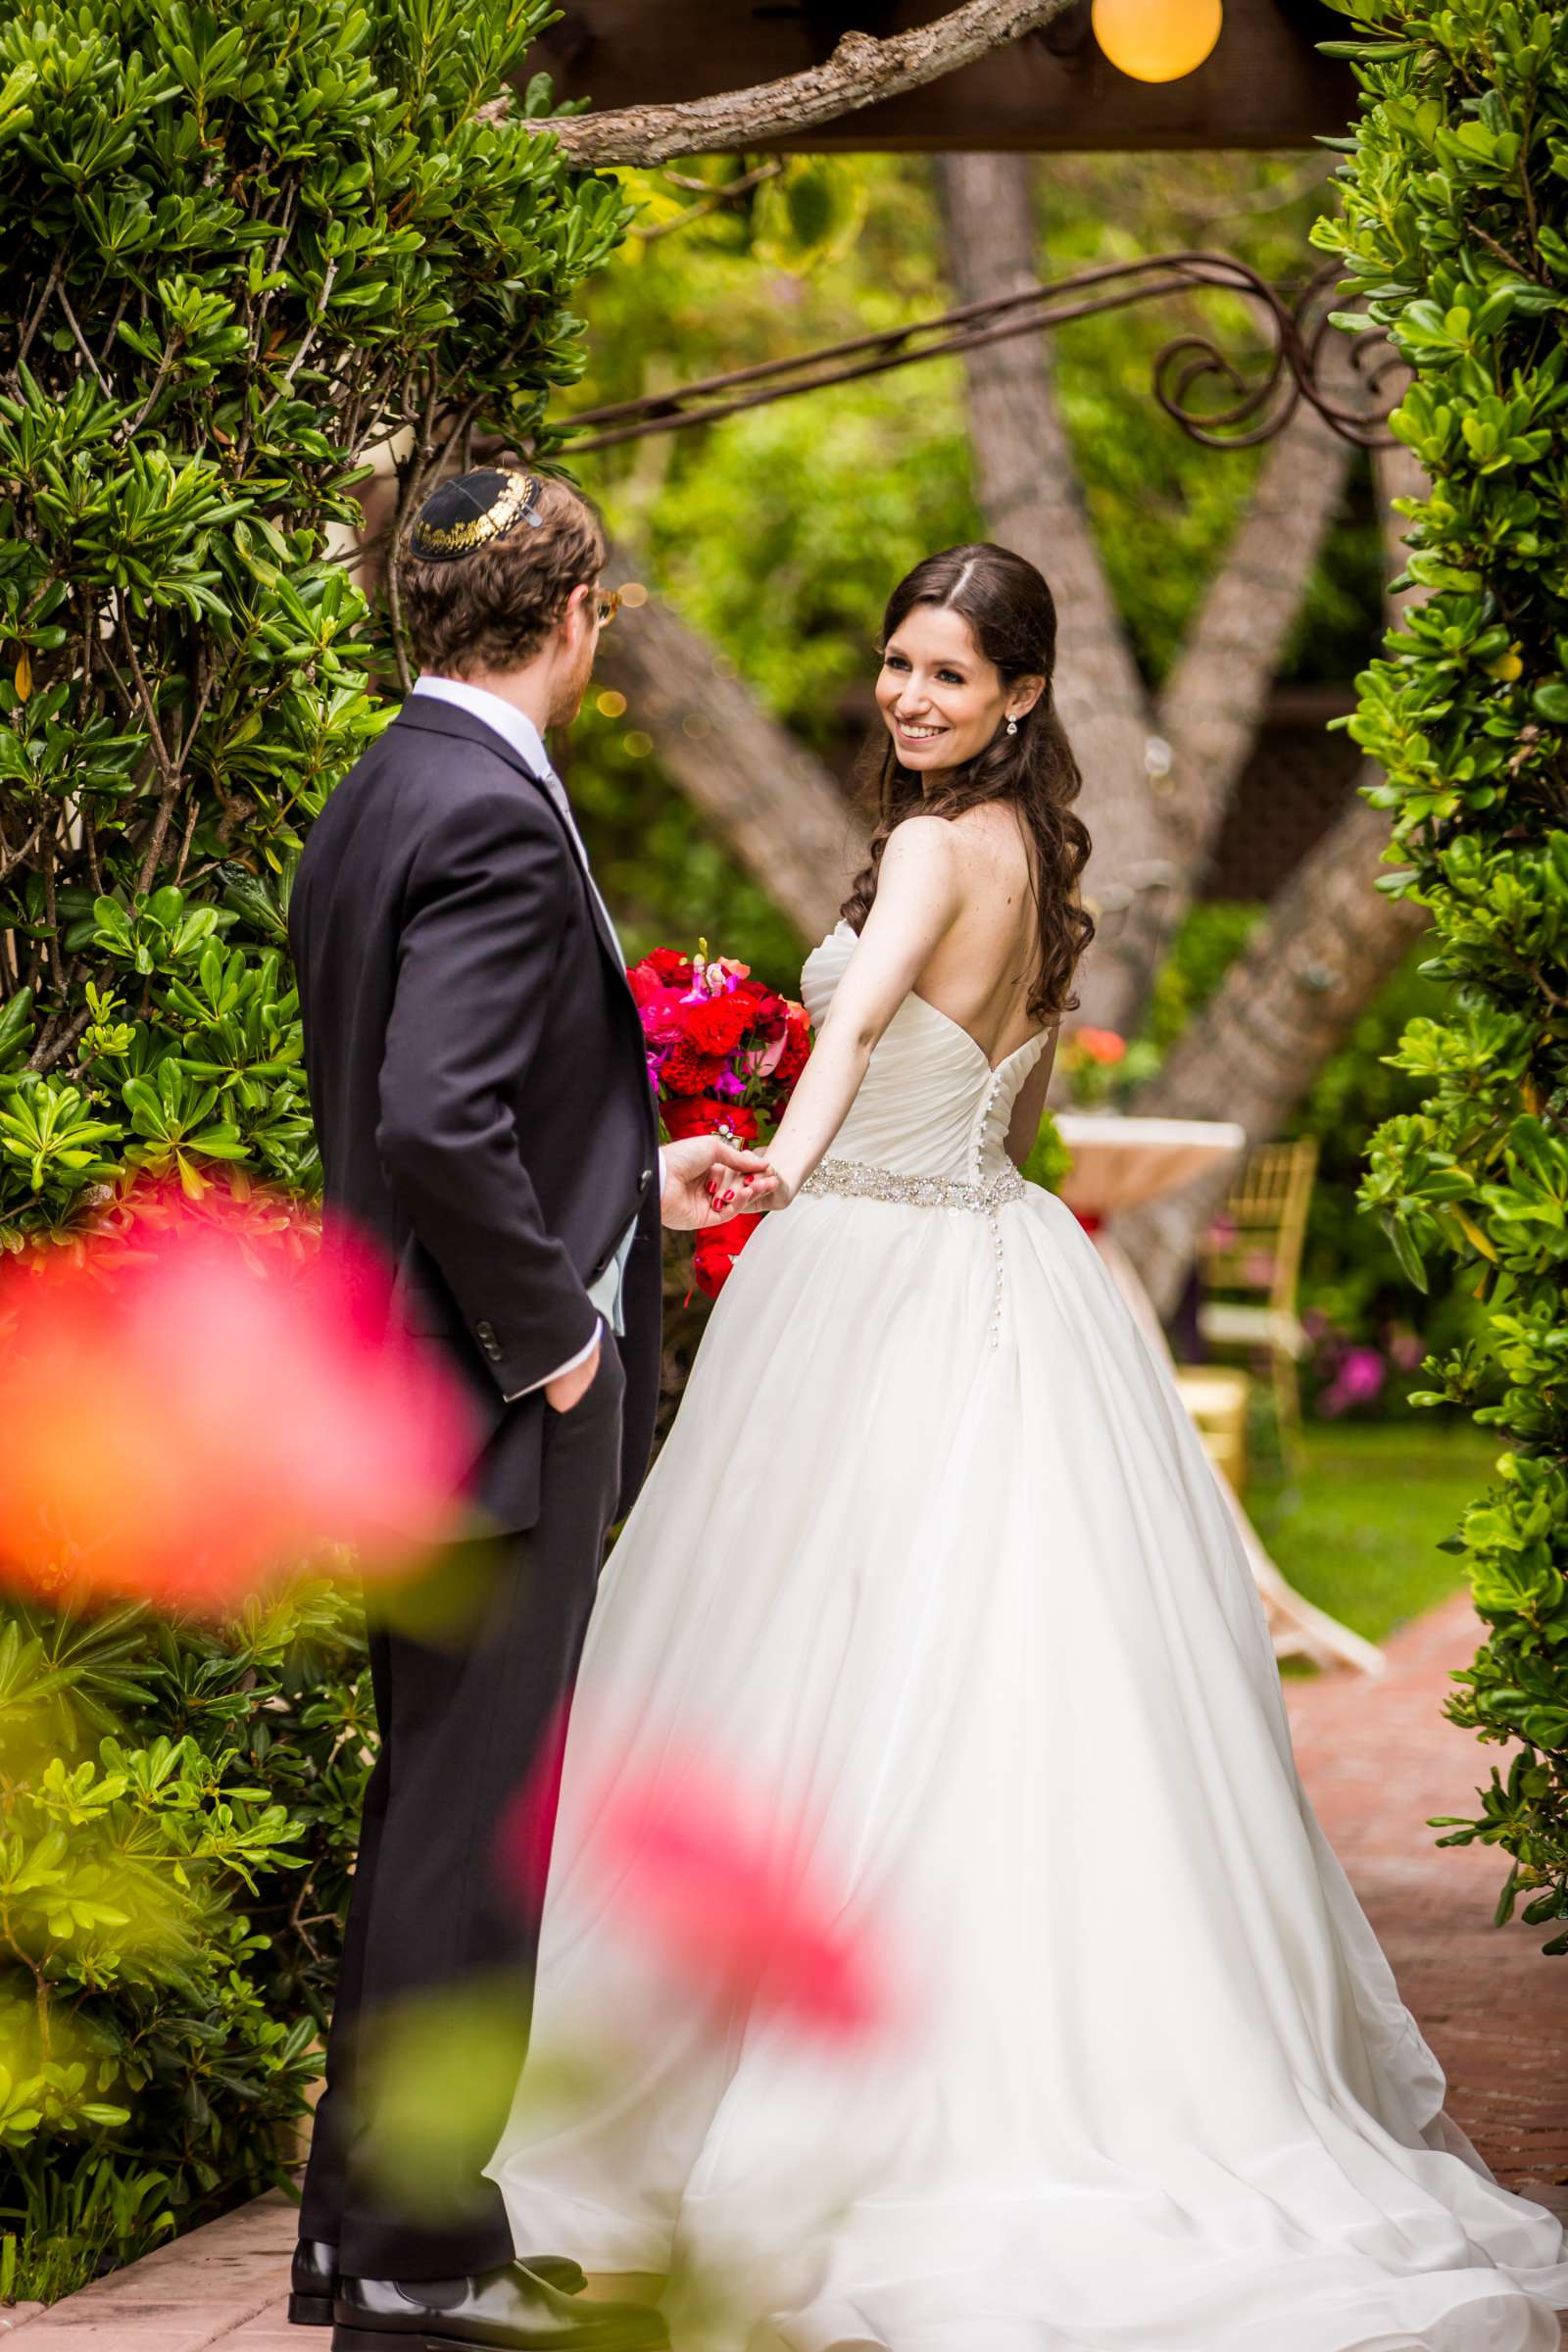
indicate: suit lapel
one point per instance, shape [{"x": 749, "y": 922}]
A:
[{"x": 447, "y": 719}]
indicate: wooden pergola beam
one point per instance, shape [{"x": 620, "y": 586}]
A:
[{"x": 1264, "y": 86}]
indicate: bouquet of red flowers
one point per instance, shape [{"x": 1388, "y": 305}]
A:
[{"x": 724, "y": 1055}]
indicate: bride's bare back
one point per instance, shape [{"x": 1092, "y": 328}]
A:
[
  {"x": 954, "y": 921},
  {"x": 981, "y": 971}
]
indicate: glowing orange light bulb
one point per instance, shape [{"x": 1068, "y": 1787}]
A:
[{"x": 1157, "y": 40}]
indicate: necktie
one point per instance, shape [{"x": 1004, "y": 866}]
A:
[
  {"x": 608, "y": 1293},
  {"x": 558, "y": 793}
]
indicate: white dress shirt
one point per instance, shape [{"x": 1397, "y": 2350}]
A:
[{"x": 516, "y": 728}]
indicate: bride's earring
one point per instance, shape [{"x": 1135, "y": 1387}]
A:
[{"x": 1012, "y": 726}]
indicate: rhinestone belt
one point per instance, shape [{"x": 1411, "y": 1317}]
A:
[{"x": 862, "y": 1180}]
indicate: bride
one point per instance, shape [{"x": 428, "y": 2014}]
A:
[{"x": 934, "y": 1555}]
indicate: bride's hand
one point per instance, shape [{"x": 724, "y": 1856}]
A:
[
  {"x": 707, "y": 1181},
  {"x": 781, "y": 1192}
]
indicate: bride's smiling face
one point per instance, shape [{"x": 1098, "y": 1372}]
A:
[{"x": 941, "y": 699}]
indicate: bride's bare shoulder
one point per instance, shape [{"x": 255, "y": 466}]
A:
[
  {"x": 990, "y": 842},
  {"x": 921, "y": 851}
]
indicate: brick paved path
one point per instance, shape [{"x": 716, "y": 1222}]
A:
[
  {"x": 1377, "y": 1758},
  {"x": 1377, "y": 1763}
]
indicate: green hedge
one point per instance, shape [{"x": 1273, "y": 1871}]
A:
[
  {"x": 180, "y": 1818},
  {"x": 248, "y": 253},
  {"x": 1452, "y": 188}
]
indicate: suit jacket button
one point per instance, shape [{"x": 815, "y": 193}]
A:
[{"x": 645, "y": 1180}]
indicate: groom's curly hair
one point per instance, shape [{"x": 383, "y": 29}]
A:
[{"x": 494, "y": 609}]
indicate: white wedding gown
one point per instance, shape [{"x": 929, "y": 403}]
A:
[{"x": 934, "y": 1556}]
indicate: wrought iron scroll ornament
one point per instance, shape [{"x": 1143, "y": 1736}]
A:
[{"x": 1255, "y": 399}]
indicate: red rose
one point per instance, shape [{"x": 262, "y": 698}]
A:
[
  {"x": 704, "y": 1114},
  {"x": 688, "y": 1071},
  {"x": 717, "y": 1025},
  {"x": 644, "y": 983},
  {"x": 717, "y": 1248},
  {"x": 670, "y": 966},
  {"x": 768, "y": 1013}
]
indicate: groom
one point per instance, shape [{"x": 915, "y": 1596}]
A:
[{"x": 480, "y": 1089}]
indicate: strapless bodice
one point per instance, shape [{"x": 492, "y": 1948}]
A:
[{"x": 930, "y": 1104}]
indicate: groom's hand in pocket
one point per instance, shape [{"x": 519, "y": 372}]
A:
[
  {"x": 570, "y": 1387},
  {"x": 707, "y": 1181}
]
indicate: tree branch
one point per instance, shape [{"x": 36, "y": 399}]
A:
[
  {"x": 862, "y": 72},
  {"x": 776, "y": 808}
]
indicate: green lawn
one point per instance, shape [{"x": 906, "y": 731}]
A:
[{"x": 1358, "y": 1532}]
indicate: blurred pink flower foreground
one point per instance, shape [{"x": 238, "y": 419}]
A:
[
  {"x": 202, "y": 1396},
  {"x": 715, "y": 1889}
]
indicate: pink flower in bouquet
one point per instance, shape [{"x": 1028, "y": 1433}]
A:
[
  {"x": 664, "y": 1012},
  {"x": 644, "y": 984},
  {"x": 200, "y": 1397},
  {"x": 718, "y": 1890}
]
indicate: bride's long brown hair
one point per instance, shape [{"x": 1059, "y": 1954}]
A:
[{"x": 1012, "y": 618}]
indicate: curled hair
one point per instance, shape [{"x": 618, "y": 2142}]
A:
[
  {"x": 1012, "y": 619},
  {"x": 493, "y": 609}
]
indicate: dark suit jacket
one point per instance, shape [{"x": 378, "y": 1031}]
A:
[{"x": 477, "y": 1075}]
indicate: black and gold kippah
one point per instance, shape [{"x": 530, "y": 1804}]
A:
[{"x": 469, "y": 512}]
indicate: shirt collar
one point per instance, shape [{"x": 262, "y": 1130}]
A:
[{"x": 514, "y": 726}]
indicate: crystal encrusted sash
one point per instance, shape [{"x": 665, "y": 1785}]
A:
[{"x": 863, "y": 1179}]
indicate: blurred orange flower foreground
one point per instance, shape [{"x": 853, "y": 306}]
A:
[{"x": 203, "y": 1394}]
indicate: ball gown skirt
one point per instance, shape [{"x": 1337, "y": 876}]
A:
[{"x": 934, "y": 1557}]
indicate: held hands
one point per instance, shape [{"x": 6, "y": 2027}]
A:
[{"x": 707, "y": 1181}]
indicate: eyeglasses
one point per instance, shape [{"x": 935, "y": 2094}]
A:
[{"x": 606, "y": 604}]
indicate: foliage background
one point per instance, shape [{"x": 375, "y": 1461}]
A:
[
  {"x": 246, "y": 250},
  {"x": 1452, "y": 190}
]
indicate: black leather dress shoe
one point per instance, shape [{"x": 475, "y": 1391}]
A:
[
  {"x": 510, "y": 2309},
  {"x": 312, "y": 2283},
  {"x": 313, "y": 2276}
]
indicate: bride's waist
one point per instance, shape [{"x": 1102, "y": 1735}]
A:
[{"x": 869, "y": 1180}]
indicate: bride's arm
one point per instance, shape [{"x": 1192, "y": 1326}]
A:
[
  {"x": 1028, "y": 1110},
  {"x": 917, "y": 901}
]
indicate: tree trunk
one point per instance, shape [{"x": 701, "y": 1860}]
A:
[
  {"x": 1213, "y": 701},
  {"x": 1329, "y": 943},
  {"x": 1153, "y": 831},
  {"x": 1028, "y": 491},
  {"x": 777, "y": 808}
]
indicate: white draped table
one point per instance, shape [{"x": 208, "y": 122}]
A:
[{"x": 1117, "y": 1165}]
